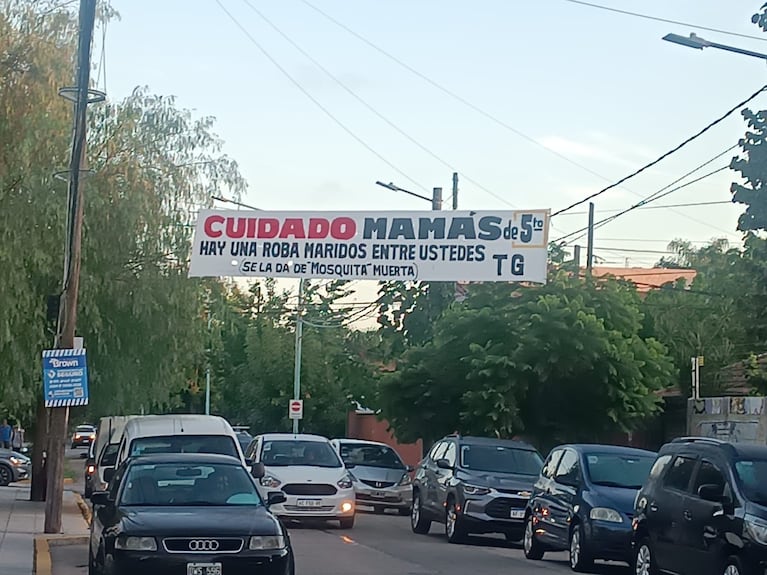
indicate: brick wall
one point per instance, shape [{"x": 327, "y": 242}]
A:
[{"x": 367, "y": 426}]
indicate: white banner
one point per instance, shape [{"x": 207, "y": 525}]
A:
[{"x": 410, "y": 246}]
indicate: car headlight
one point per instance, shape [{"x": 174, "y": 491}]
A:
[
  {"x": 756, "y": 528},
  {"x": 606, "y": 514},
  {"x": 345, "y": 482},
  {"x": 136, "y": 543},
  {"x": 270, "y": 481},
  {"x": 16, "y": 461},
  {"x": 266, "y": 542},
  {"x": 405, "y": 480},
  {"x": 475, "y": 490}
]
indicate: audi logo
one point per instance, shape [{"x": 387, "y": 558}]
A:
[{"x": 203, "y": 545}]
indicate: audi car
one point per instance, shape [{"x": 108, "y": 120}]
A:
[{"x": 199, "y": 514}]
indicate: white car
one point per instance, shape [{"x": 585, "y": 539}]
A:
[{"x": 309, "y": 472}]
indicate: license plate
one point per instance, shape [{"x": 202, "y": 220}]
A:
[
  {"x": 517, "y": 514},
  {"x": 309, "y": 502},
  {"x": 378, "y": 494},
  {"x": 203, "y": 569}
]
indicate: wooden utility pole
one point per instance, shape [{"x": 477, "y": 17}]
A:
[
  {"x": 81, "y": 96},
  {"x": 455, "y": 190},
  {"x": 590, "y": 245}
]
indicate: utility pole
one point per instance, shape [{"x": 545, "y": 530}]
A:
[
  {"x": 207, "y": 370},
  {"x": 590, "y": 246},
  {"x": 455, "y": 190},
  {"x": 299, "y": 342},
  {"x": 577, "y": 258},
  {"x": 436, "y": 199},
  {"x": 68, "y": 310}
]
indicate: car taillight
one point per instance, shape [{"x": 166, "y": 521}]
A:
[{"x": 91, "y": 469}]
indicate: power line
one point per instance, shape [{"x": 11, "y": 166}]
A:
[
  {"x": 667, "y": 154},
  {"x": 316, "y": 102},
  {"x": 665, "y": 20},
  {"x": 663, "y": 207},
  {"x": 370, "y": 107}
]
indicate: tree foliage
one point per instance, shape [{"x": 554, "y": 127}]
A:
[{"x": 563, "y": 361}]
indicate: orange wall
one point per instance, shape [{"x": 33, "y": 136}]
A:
[{"x": 368, "y": 426}]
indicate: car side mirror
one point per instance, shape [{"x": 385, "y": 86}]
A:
[
  {"x": 258, "y": 470},
  {"x": 349, "y": 465},
  {"x": 409, "y": 468},
  {"x": 109, "y": 473},
  {"x": 100, "y": 498},
  {"x": 275, "y": 498},
  {"x": 711, "y": 492},
  {"x": 444, "y": 464},
  {"x": 567, "y": 480}
]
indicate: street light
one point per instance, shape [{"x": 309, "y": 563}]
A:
[
  {"x": 436, "y": 199},
  {"x": 695, "y": 41}
]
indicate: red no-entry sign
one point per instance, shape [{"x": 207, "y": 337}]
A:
[{"x": 296, "y": 409}]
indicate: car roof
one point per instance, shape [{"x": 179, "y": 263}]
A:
[
  {"x": 363, "y": 442},
  {"x": 709, "y": 445},
  {"x": 491, "y": 441},
  {"x": 600, "y": 448},
  {"x": 85, "y": 426},
  {"x": 172, "y": 424},
  {"x": 296, "y": 436},
  {"x": 187, "y": 458}
]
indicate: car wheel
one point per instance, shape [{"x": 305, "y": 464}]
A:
[
  {"x": 93, "y": 568},
  {"x": 644, "y": 560},
  {"x": 454, "y": 529},
  {"x": 533, "y": 549},
  {"x": 734, "y": 566},
  {"x": 418, "y": 523},
  {"x": 580, "y": 560},
  {"x": 6, "y": 475},
  {"x": 346, "y": 522},
  {"x": 403, "y": 511}
]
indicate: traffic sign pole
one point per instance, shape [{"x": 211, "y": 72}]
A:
[{"x": 299, "y": 341}]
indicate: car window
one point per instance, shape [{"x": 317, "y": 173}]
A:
[
  {"x": 450, "y": 453},
  {"x": 370, "y": 455},
  {"x": 500, "y": 459},
  {"x": 219, "y": 444},
  {"x": 551, "y": 463},
  {"x": 659, "y": 465},
  {"x": 621, "y": 470},
  {"x": 289, "y": 452},
  {"x": 250, "y": 452},
  {"x": 709, "y": 474},
  {"x": 568, "y": 466},
  {"x": 109, "y": 455},
  {"x": 438, "y": 451},
  {"x": 114, "y": 485},
  {"x": 679, "y": 474},
  {"x": 751, "y": 474}
]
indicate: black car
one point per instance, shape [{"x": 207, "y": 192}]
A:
[
  {"x": 474, "y": 485},
  {"x": 703, "y": 510},
  {"x": 583, "y": 502},
  {"x": 186, "y": 514}
]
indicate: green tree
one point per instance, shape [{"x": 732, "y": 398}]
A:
[{"x": 563, "y": 361}]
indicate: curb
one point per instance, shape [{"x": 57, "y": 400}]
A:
[
  {"x": 42, "y": 564},
  {"x": 84, "y": 508}
]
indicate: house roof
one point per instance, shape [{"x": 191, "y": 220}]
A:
[{"x": 646, "y": 279}]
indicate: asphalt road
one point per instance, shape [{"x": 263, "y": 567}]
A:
[{"x": 384, "y": 545}]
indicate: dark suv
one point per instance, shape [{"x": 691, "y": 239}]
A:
[
  {"x": 474, "y": 485},
  {"x": 703, "y": 510}
]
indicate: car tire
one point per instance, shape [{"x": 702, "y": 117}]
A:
[
  {"x": 644, "y": 559},
  {"x": 580, "y": 559},
  {"x": 734, "y": 566},
  {"x": 6, "y": 475},
  {"x": 404, "y": 511},
  {"x": 454, "y": 528},
  {"x": 346, "y": 522},
  {"x": 418, "y": 523},
  {"x": 93, "y": 568},
  {"x": 513, "y": 537},
  {"x": 532, "y": 547}
]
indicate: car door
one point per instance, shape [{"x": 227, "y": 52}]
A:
[
  {"x": 701, "y": 542},
  {"x": 540, "y": 502},
  {"x": 444, "y": 476},
  {"x": 561, "y": 494},
  {"x": 665, "y": 512},
  {"x": 431, "y": 477},
  {"x": 103, "y": 517}
]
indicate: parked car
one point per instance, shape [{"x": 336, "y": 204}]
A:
[
  {"x": 186, "y": 513},
  {"x": 14, "y": 467},
  {"x": 309, "y": 472},
  {"x": 475, "y": 485},
  {"x": 83, "y": 436},
  {"x": 703, "y": 510},
  {"x": 583, "y": 502},
  {"x": 381, "y": 479}
]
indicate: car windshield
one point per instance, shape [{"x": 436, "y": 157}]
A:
[
  {"x": 284, "y": 452},
  {"x": 752, "y": 477},
  {"x": 219, "y": 444},
  {"x": 628, "y": 471},
  {"x": 109, "y": 455},
  {"x": 371, "y": 455},
  {"x": 500, "y": 459},
  {"x": 187, "y": 485},
  {"x": 84, "y": 429}
]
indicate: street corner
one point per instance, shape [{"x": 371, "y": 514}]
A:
[{"x": 61, "y": 555}]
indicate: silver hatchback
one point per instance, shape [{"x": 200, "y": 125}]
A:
[{"x": 381, "y": 480}]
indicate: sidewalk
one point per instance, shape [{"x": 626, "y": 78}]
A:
[{"x": 21, "y": 520}]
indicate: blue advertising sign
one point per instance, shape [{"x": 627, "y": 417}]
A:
[{"x": 65, "y": 377}]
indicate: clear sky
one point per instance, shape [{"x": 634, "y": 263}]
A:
[{"x": 598, "y": 87}]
